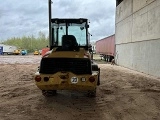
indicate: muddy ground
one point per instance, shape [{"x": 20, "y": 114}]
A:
[{"x": 123, "y": 95}]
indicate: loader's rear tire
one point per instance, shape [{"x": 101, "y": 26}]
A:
[
  {"x": 91, "y": 93},
  {"x": 49, "y": 93},
  {"x": 94, "y": 67},
  {"x": 98, "y": 82}
]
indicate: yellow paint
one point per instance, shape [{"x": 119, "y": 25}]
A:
[
  {"x": 17, "y": 52},
  {"x": 68, "y": 54},
  {"x": 55, "y": 80},
  {"x": 56, "y": 83},
  {"x": 36, "y": 52}
]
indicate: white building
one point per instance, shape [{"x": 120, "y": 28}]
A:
[{"x": 138, "y": 35}]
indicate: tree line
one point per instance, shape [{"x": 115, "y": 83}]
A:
[{"x": 29, "y": 43}]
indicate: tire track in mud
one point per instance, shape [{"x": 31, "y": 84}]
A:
[
  {"x": 90, "y": 108},
  {"x": 13, "y": 92},
  {"x": 127, "y": 89},
  {"x": 78, "y": 104},
  {"x": 17, "y": 81},
  {"x": 118, "y": 98},
  {"x": 27, "y": 59},
  {"x": 78, "y": 107}
]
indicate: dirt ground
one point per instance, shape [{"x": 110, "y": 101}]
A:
[{"x": 123, "y": 95}]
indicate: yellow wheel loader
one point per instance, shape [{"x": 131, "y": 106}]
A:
[
  {"x": 68, "y": 65},
  {"x": 17, "y": 52},
  {"x": 36, "y": 52}
]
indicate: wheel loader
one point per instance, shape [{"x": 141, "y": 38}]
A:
[
  {"x": 36, "y": 52},
  {"x": 68, "y": 65},
  {"x": 17, "y": 52}
]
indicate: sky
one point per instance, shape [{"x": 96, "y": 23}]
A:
[{"x": 28, "y": 17}]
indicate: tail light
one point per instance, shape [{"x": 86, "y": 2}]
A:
[
  {"x": 92, "y": 79},
  {"x": 37, "y": 78},
  {"x": 46, "y": 79}
]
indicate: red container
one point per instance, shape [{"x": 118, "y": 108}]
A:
[
  {"x": 106, "y": 46},
  {"x": 44, "y": 50}
]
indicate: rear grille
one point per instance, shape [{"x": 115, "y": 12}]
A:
[{"x": 75, "y": 65}]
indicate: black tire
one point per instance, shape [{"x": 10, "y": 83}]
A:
[
  {"x": 98, "y": 82},
  {"x": 94, "y": 67},
  {"x": 4, "y": 53},
  {"x": 108, "y": 58},
  {"x": 105, "y": 57},
  {"x": 111, "y": 58},
  {"x": 49, "y": 93},
  {"x": 91, "y": 93}
]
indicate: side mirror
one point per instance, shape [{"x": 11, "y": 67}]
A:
[
  {"x": 87, "y": 26},
  {"x": 90, "y": 50}
]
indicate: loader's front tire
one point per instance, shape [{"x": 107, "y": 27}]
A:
[{"x": 49, "y": 93}]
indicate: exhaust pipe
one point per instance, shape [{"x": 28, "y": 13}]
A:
[{"x": 50, "y": 17}]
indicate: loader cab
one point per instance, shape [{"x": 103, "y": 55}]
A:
[{"x": 69, "y": 34}]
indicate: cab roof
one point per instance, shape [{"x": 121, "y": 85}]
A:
[{"x": 69, "y": 20}]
